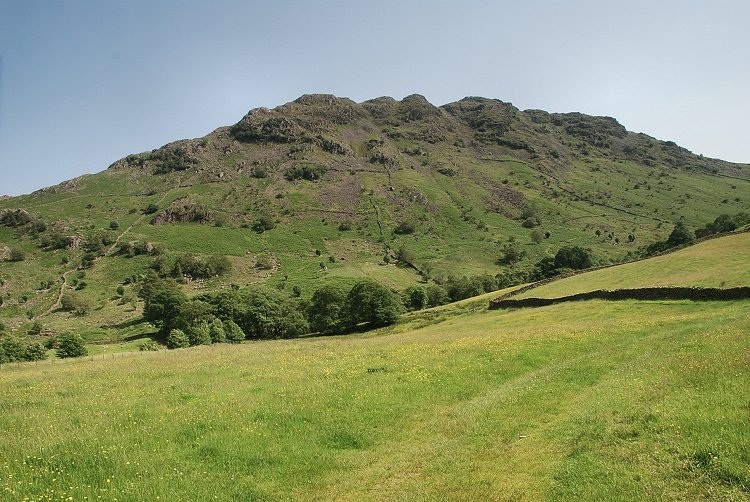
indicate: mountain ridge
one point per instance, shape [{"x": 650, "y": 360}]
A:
[{"x": 323, "y": 189}]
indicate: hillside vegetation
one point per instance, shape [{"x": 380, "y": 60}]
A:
[
  {"x": 325, "y": 191},
  {"x": 716, "y": 263}
]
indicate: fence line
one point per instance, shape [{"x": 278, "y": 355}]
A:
[{"x": 647, "y": 294}]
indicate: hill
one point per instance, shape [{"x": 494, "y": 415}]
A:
[
  {"x": 692, "y": 266},
  {"x": 592, "y": 401},
  {"x": 324, "y": 190}
]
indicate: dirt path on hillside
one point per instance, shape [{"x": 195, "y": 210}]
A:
[{"x": 58, "y": 301}]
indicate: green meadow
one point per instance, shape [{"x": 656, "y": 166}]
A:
[
  {"x": 588, "y": 401},
  {"x": 716, "y": 263}
]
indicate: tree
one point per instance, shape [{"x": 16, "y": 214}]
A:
[
  {"x": 537, "y": 236},
  {"x": 372, "y": 303},
  {"x": 233, "y": 332},
  {"x": 216, "y": 331},
  {"x": 415, "y": 298},
  {"x": 71, "y": 345},
  {"x": 11, "y": 349},
  {"x": 405, "y": 255},
  {"x": 680, "y": 235},
  {"x": 326, "y": 311},
  {"x": 177, "y": 339},
  {"x": 162, "y": 301},
  {"x": 436, "y": 295},
  {"x": 35, "y": 352},
  {"x": 511, "y": 254},
  {"x": 574, "y": 257}
]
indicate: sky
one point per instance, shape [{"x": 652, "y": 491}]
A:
[{"x": 86, "y": 82}]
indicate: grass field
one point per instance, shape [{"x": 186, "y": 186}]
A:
[
  {"x": 717, "y": 263},
  {"x": 590, "y": 401}
]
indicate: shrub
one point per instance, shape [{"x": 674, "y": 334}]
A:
[
  {"x": 233, "y": 332},
  {"x": 150, "y": 209},
  {"x": 511, "y": 254},
  {"x": 537, "y": 236},
  {"x": 11, "y": 349},
  {"x": 71, "y": 345},
  {"x": 263, "y": 223},
  {"x": 148, "y": 346},
  {"x": 404, "y": 228},
  {"x": 35, "y": 352},
  {"x": 199, "y": 333},
  {"x": 16, "y": 254},
  {"x": 114, "y": 225},
  {"x": 162, "y": 301},
  {"x": 35, "y": 328},
  {"x": 405, "y": 255},
  {"x": 177, "y": 339},
  {"x": 72, "y": 302},
  {"x": 200, "y": 268},
  {"x": 305, "y": 171}
]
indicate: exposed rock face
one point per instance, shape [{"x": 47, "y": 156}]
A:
[
  {"x": 489, "y": 118},
  {"x": 333, "y": 131},
  {"x": 183, "y": 211}
]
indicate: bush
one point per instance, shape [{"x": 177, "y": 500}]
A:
[
  {"x": 150, "y": 209},
  {"x": 200, "y": 268},
  {"x": 162, "y": 301},
  {"x": 114, "y": 225},
  {"x": 148, "y": 346},
  {"x": 177, "y": 339},
  {"x": 263, "y": 223},
  {"x": 71, "y": 345},
  {"x": 199, "y": 334},
  {"x": 511, "y": 254},
  {"x": 233, "y": 332},
  {"x": 35, "y": 328},
  {"x": 35, "y": 352},
  {"x": 404, "y": 228},
  {"x": 405, "y": 255},
  {"x": 537, "y": 236},
  {"x": 72, "y": 302},
  {"x": 306, "y": 171},
  {"x": 16, "y": 254}
]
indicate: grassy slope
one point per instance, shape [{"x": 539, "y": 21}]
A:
[
  {"x": 462, "y": 219},
  {"x": 615, "y": 401},
  {"x": 721, "y": 262}
]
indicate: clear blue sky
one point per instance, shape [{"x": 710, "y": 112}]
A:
[{"x": 86, "y": 82}]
